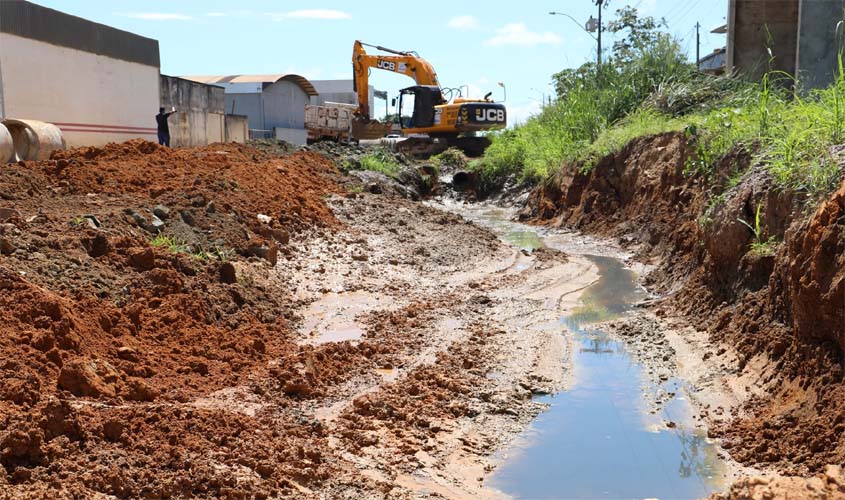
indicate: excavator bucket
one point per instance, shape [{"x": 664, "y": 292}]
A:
[{"x": 369, "y": 129}]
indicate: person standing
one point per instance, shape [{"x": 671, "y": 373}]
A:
[{"x": 163, "y": 128}]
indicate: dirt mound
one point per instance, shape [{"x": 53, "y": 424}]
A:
[
  {"x": 131, "y": 283},
  {"x": 784, "y": 301},
  {"x": 829, "y": 485}
]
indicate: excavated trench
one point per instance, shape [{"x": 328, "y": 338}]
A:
[{"x": 604, "y": 436}]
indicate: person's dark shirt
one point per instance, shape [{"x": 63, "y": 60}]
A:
[{"x": 161, "y": 120}]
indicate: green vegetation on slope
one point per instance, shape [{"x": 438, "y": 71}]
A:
[{"x": 646, "y": 87}]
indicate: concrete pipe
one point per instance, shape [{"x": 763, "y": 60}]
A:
[
  {"x": 7, "y": 147},
  {"x": 33, "y": 139}
]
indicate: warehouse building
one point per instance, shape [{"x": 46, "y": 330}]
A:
[
  {"x": 98, "y": 84},
  {"x": 274, "y": 104}
]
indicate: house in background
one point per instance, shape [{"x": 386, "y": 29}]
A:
[
  {"x": 274, "y": 104},
  {"x": 798, "y": 37}
]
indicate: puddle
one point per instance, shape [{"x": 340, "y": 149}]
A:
[
  {"x": 389, "y": 374},
  {"x": 599, "y": 439},
  {"x": 332, "y": 317}
]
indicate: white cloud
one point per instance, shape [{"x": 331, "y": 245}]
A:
[
  {"x": 483, "y": 80},
  {"x": 520, "y": 113},
  {"x": 157, "y": 16},
  {"x": 519, "y": 34},
  {"x": 313, "y": 14},
  {"x": 464, "y": 23},
  {"x": 215, "y": 14}
]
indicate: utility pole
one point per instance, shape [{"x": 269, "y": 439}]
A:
[
  {"x": 598, "y": 56},
  {"x": 697, "y": 45}
]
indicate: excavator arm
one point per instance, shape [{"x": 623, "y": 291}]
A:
[{"x": 405, "y": 63}]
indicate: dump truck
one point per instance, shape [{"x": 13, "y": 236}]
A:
[{"x": 329, "y": 121}]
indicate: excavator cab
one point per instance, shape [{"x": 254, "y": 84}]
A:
[{"x": 420, "y": 100}]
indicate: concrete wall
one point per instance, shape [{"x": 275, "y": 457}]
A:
[
  {"x": 756, "y": 25},
  {"x": 818, "y": 44},
  {"x": 199, "y": 118},
  {"x": 94, "y": 99},
  {"x": 237, "y": 128}
]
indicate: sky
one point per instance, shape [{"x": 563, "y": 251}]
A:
[{"x": 475, "y": 44}]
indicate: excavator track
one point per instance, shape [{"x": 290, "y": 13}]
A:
[{"x": 425, "y": 147}]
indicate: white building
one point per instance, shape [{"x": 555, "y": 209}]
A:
[{"x": 98, "y": 84}]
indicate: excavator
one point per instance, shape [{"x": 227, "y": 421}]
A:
[{"x": 436, "y": 121}]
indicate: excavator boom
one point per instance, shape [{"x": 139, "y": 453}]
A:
[{"x": 405, "y": 63}]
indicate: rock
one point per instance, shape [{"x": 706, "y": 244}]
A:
[
  {"x": 156, "y": 226},
  {"x": 127, "y": 353},
  {"x": 139, "y": 219},
  {"x": 281, "y": 236},
  {"x": 227, "y": 273},
  {"x": 162, "y": 212},
  {"x": 210, "y": 208},
  {"x": 269, "y": 252},
  {"x": 360, "y": 257},
  {"x": 92, "y": 221},
  {"x": 89, "y": 378},
  {"x": 198, "y": 201},
  {"x": 139, "y": 390},
  {"x": 142, "y": 259},
  {"x": 187, "y": 217},
  {"x": 8, "y": 213},
  {"x": 264, "y": 218},
  {"x": 6, "y": 246}
]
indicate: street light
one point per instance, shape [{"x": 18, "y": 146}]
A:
[
  {"x": 505, "y": 89},
  {"x": 591, "y": 26},
  {"x": 588, "y": 28}
]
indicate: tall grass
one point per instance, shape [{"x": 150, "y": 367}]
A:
[
  {"x": 790, "y": 133},
  {"x": 591, "y": 101}
]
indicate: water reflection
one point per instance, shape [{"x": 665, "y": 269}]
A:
[{"x": 597, "y": 441}]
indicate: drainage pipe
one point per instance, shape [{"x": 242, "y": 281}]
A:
[
  {"x": 7, "y": 147},
  {"x": 33, "y": 139}
]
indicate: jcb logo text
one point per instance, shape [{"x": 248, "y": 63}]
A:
[{"x": 490, "y": 115}]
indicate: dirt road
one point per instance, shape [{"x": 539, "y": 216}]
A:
[{"x": 448, "y": 333}]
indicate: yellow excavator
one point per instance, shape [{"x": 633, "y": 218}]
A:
[{"x": 433, "y": 121}]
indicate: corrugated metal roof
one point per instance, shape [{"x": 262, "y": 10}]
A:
[{"x": 303, "y": 82}]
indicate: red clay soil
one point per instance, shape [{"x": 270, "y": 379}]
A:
[
  {"x": 104, "y": 333},
  {"x": 788, "y": 306}
]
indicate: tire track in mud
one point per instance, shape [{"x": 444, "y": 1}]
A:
[{"x": 463, "y": 331}]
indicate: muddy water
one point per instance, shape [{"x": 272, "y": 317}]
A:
[{"x": 600, "y": 438}]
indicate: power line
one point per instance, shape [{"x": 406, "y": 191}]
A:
[
  {"x": 676, "y": 8},
  {"x": 687, "y": 12}
]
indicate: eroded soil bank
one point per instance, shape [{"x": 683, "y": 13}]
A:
[{"x": 766, "y": 327}]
